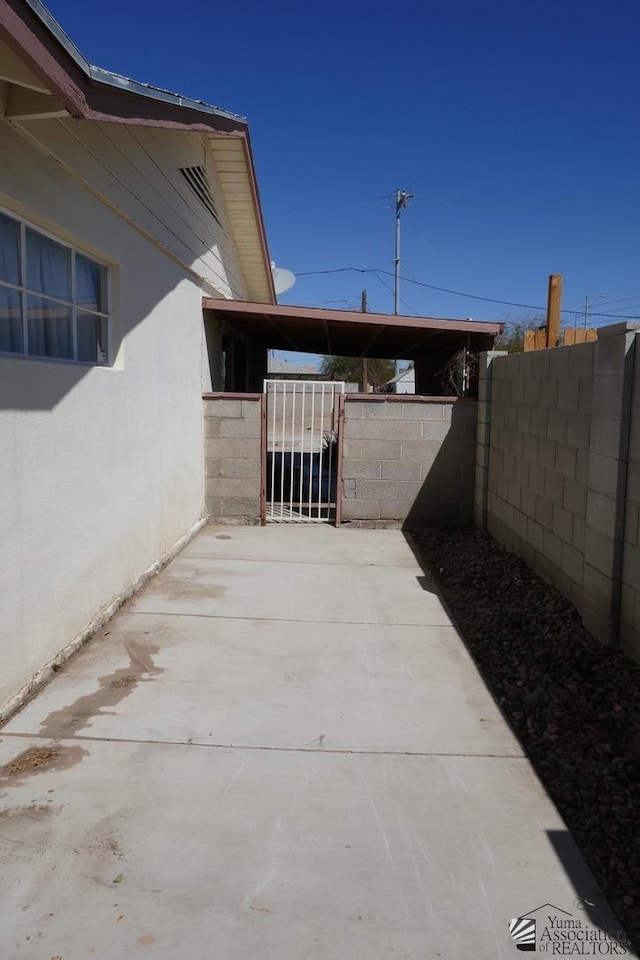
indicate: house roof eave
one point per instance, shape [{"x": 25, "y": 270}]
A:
[{"x": 92, "y": 93}]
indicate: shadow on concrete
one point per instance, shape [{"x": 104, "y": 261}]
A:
[
  {"x": 427, "y": 584},
  {"x": 447, "y": 492},
  {"x": 573, "y": 704},
  {"x": 590, "y": 906}
]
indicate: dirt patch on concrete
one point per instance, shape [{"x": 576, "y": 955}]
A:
[
  {"x": 39, "y": 760},
  {"x": 31, "y": 759},
  {"x": 113, "y": 688}
]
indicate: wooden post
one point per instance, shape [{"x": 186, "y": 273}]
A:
[
  {"x": 554, "y": 299},
  {"x": 529, "y": 340}
]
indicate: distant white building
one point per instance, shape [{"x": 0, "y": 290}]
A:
[{"x": 404, "y": 382}]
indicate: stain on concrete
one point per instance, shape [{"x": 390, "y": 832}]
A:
[
  {"x": 146, "y": 939},
  {"x": 113, "y": 688},
  {"x": 39, "y": 760},
  {"x": 25, "y": 830},
  {"x": 101, "y": 841},
  {"x": 182, "y": 586},
  {"x": 223, "y": 536}
]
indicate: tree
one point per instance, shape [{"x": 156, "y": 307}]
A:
[
  {"x": 378, "y": 372},
  {"x": 512, "y": 339}
]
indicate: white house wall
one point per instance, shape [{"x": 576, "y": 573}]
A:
[
  {"x": 100, "y": 467},
  {"x": 137, "y": 168}
]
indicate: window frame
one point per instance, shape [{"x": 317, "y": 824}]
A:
[{"x": 74, "y": 306}]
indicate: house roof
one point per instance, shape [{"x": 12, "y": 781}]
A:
[
  {"x": 350, "y": 334},
  {"x": 407, "y": 374},
  {"x": 49, "y": 77},
  {"x": 283, "y": 366}
]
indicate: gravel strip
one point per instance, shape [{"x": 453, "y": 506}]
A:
[{"x": 573, "y": 703}]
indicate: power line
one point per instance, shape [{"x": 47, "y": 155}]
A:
[
  {"x": 459, "y": 293},
  {"x": 470, "y": 296},
  {"x": 331, "y": 203},
  {"x": 314, "y": 273},
  {"x": 624, "y": 300},
  {"x": 390, "y": 289}
]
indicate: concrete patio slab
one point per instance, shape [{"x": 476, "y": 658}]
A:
[
  {"x": 318, "y": 684},
  {"x": 270, "y": 756},
  {"x": 240, "y": 854},
  {"x": 285, "y": 541},
  {"x": 292, "y": 590}
]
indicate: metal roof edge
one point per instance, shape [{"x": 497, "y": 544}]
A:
[{"x": 100, "y": 75}]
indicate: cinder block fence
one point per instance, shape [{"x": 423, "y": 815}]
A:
[
  {"x": 408, "y": 459},
  {"x": 558, "y": 472},
  {"x": 232, "y": 431},
  {"x": 405, "y": 459}
]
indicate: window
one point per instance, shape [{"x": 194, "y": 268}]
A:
[{"x": 53, "y": 300}]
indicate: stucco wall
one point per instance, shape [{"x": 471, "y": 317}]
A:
[
  {"x": 101, "y": 467},
  {"x": 408, "y": 459}
]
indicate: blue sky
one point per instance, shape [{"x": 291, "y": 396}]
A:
[{"x": 514, "y": 123}]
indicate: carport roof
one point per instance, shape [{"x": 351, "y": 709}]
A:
[{"x": 348, "y": 333}]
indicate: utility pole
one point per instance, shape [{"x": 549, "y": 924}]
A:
[
  {"x": 365, "y": 370},
  {"x": 402, "y": 198},
  {"x": 586, "y": 311}
]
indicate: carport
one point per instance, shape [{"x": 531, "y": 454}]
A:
[{"x": 240, "y": 333}]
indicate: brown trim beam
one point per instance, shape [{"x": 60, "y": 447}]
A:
[{"x": 351, "y": 317}]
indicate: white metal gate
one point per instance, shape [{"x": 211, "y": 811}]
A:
[{"x": 302, "y": 454}]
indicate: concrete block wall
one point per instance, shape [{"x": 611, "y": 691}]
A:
[
  {"x": 232, "y": 426},
  {"x": 630, "y": 577},
  {"x": 551, "y": 476},
  {"x": 408, "y": 459}
]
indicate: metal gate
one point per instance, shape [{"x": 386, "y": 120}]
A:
[{"x": 302, "y": 450}]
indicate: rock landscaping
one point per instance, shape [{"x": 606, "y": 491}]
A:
[{"x": 573, "y": 703}]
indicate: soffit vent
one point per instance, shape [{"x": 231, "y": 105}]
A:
[{"x": 197, "y": 179}]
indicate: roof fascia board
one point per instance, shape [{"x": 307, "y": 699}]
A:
[
  {"x": 348, "y": 316},
  {"x": 255, "y": 196}
]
